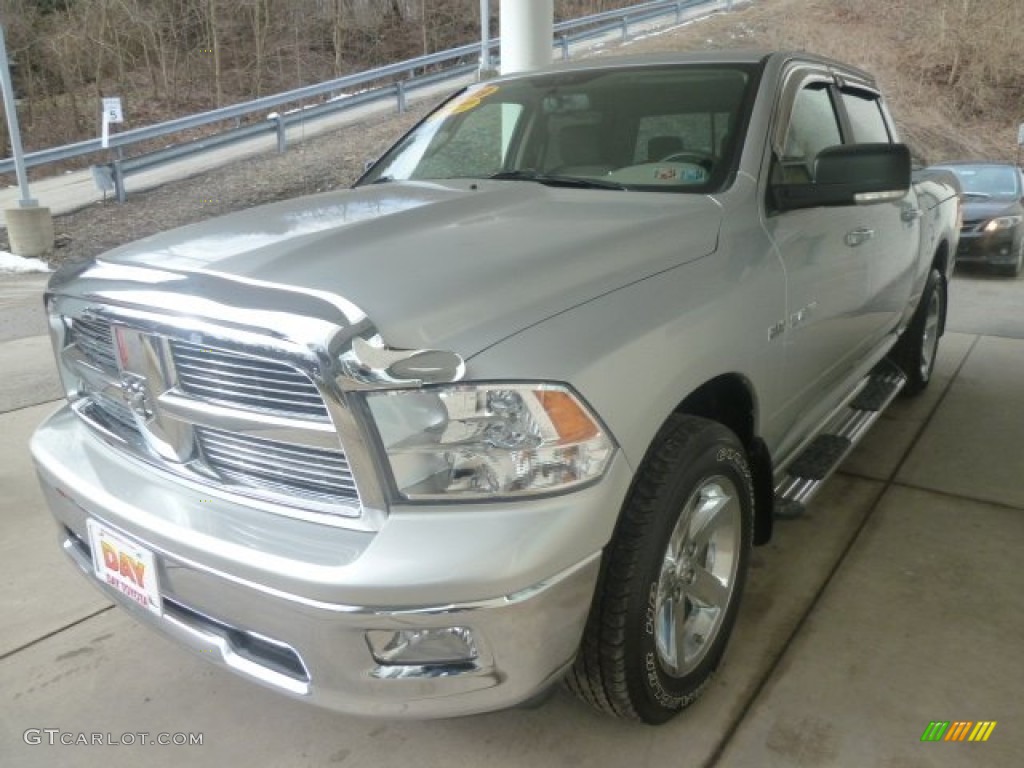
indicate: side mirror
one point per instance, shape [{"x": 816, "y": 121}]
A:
[{"x": 857, "y": 174}]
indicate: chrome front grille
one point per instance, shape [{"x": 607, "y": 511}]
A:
[
  {"x": 116, "y": 414},
  {"x": 248, "y": 382},
  {"x": 257, "y": 424},
  {"x": 95, "y": 339},
  {"x": 256, "y": 461}
]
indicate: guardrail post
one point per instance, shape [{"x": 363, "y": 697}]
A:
[
  {"x": 563, "y": 43},
  {"x": 625, "y": 27},
  {"x": 400, "y": 94},
  {"x": 282, "y": 140},
  {"x": 122, "y": 193}
]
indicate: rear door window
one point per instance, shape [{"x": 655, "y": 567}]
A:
[{"x": 866, "y": 119}]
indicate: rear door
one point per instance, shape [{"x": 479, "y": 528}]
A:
[
  {"x": 890, "y": 241},
  {"x": 828, "y": 273}
]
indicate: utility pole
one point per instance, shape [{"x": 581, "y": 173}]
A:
[{"x": 486, "y": 70}]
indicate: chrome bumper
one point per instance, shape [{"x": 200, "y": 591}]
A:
[{"x": 288, "y": 603}]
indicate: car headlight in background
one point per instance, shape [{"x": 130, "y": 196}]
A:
[
  {"x": 1002, "y": 222},
  {"x": 488, "y": 440}
]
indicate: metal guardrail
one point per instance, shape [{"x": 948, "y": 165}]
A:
[{"x": 460, "y": 61}]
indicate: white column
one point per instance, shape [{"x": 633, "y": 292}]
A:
[
  {"x": 527, "y": 29},
  {"x": 485, "y": 38}
]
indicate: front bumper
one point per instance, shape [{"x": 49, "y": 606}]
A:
[
  {"x": 288, "y": 603},
  {"x": 996, "y": 248}
]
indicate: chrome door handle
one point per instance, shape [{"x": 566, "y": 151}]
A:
[{"x": 857, "y": 237}]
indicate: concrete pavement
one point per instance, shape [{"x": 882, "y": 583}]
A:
[{"x": 892, "y": 603}]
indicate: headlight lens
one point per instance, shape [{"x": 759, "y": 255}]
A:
[
  {"x": 1002, "y": 222},
  {"x": 489, "y": 441}
]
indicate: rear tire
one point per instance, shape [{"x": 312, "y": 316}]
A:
[
  {"x": 918, "y": 347},
  {"x": 671, "y": 578}
]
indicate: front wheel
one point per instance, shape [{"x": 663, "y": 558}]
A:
[
  {"x": 917, "y": 348},
  {"x": 1013, "y": 270},
  {"x": 672, "y": 576}
]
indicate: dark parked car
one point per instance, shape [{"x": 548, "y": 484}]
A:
[{"x": 993, "y": 226}]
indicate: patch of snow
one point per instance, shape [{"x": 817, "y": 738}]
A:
[{"x": 11, "y": 264}]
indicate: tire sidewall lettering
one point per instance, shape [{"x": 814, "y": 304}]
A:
[{"x": 665, "y": 690}]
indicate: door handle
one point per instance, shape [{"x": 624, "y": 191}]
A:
[
  {"x": 911, "y": 214},
  {"x": 857, "y": 237}
]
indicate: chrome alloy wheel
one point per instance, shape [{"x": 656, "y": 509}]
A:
[
  {"x": 930, "y": 337},
  {"x": 698, "y": 575}
]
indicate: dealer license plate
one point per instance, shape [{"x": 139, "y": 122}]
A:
[{"x": 125, "y": 566}]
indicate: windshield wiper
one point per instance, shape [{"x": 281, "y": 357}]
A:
[
  {"x": 554, "y": 180},
  {"x": 981, "y": 195}
]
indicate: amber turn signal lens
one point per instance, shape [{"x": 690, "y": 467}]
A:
[{"x": 568, "y": 419}]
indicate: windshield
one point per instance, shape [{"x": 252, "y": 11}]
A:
[
  {"x": 989, "y": 181},
  {"x": 665, "y": 128}
]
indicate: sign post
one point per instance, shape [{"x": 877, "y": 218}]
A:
[
  {"x": 112, "y": 113},
  {"x": 1020, "y": 141}
]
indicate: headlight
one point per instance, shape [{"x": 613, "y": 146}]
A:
[
  {"x": 489, "y": 441},
  {"x": 1002, "y": 222}
]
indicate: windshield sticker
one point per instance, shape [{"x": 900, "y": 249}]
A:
[
  {"x": 466, "y": 103},
  {"x": 694, "y": 174}
]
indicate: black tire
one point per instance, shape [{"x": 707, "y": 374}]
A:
[
  {"x": 629, "y": 664},
  {"x": 917, "y": 348},
  {"x": 1013, "y": 270}
]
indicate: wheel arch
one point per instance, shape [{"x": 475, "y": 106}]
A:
[{"x": 730, "y": 399}]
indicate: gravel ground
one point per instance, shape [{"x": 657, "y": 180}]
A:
[{"x": 324, "y": 162}]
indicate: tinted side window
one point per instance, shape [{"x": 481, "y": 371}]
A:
[
  {"x": 865, "y": 118},
  {"x": 813, "y": 126}
]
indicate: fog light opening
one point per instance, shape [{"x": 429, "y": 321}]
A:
[{"x": 421, "y": 647}]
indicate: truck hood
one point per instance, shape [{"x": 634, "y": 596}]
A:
[{"x": 454, "y": 266}]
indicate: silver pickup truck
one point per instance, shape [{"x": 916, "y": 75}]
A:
[{"x": 515, "y": 408}]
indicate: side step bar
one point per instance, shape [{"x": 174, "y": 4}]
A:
[{"x": 805, "y": 475}]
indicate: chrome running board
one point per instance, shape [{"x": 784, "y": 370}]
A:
[{"x": 804, "y": 476}]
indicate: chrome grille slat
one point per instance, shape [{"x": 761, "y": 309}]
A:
[
  {"x": 282, "y": 465},
  {"x": 235, "y": 398},
  {"x": 95, "y": 339},
  {"x": 244, "y": 381},
  {"x": 284, "y": 451},
  {"x": 261, "y": 462},
  {"x": 250, "y": 474},
  {"x": 257, "y": 392},
  {"x": 116, "y": 414},
  {"x": 200, "y": 371}
]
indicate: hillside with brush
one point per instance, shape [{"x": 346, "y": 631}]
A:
[{"x": 951, "y": 70}]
